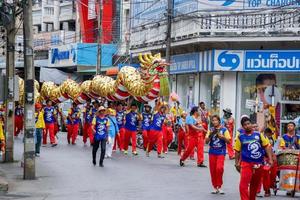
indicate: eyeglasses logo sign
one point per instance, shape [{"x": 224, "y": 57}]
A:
[{"x": 229, "y": 60}]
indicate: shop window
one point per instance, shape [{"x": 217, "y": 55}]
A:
[
  {"x": 274, "y": 93},
  {"x": 215, "y": 94},
  {"x": 185, "y": 90}
]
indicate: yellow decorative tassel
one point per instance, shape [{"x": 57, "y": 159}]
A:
[{"x": 164, "y": 86}]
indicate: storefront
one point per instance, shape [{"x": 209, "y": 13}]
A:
[
  {"x": 185, "y": 78},
  {"x": 264, "y": 79},
  {"x": 246, "y": 81}
]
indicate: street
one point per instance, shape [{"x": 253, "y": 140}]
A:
[{"x": 66, "y": 172}]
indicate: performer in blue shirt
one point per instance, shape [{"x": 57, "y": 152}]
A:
[
  {"x": 155, "y": 135},
  {"x": 120, "y": 114},
  {"x": 131, "y": 123},
  {"x": 100, "y": 128},
  {"x": 146, "y": 122}
]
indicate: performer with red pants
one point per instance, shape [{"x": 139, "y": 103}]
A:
[
  {"x": 155, "y": 135},
  {"x": 269, "y": 172},
  {"x": 217, "y": 138},
  {"x": 119, "y": 139},
  {"x": 50, "y": 118},
  {"x": 56, "y": 124},
  {"x": 200, "y": 147},
  {"x": 131, "y": 123},
  {"x": 228, "y": 122},
  {"x": 88, "y": 116},
  {"x": 73, "y": 123},
  {"x": 193, "y": 128},
  {"x": 181, "y": 137},
  {"x": 19, "y": 119},
  {"x": 250, "y": 146},
  {"x": 167, "y": 133},
  {"x": 146, "y": 122}
]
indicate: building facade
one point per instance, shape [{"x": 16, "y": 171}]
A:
[{"x": 227, "y": 54}]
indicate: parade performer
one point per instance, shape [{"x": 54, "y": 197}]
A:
[
  {"x": 155, "y": 135},
  {"x": 2, "y": 136},
  {"x": 250, "y": 146},
  {"x": 228, "y": 122},
  {"x": 217, "y": 138},
  {"x": 269, "y": 173},
  {"x": 204, "y": 114},
  {"x": 56, "y": 123},
  {"x": 146, "y": 122},
  {"x": 49, "y": 117},
  {"x": 167, "y": 129},
  {"x": 177, "y": 111},
  {"x": 120, "y": 121},
  {"x": 193, "y": 128},
  {"x": 290, "y": 140},
  {"x": 200, "y": 143},
  {"x": 100, "y": 129},
  {"x": 19, "y": 119},
  {"x": 73, "y": 123},
  {"x": 113, "y": 130},
  {"x": 131, "y": 123},
  {"x": 182, "y": 134},
  {"x": 39, "y": 127},
  {"x": 88, "y": 116}
]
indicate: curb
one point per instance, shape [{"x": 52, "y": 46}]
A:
[{"x": 3, "y": 185}]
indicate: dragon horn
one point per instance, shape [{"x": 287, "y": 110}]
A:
[
  {"x": 151, "y": 57},
  {"x": 157, "y": 56},
  {"x": 146, "y": 57},
  {"x": 141, "y": 59}
]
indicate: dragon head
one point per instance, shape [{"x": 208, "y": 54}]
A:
[{"x": 154, "y": 65}]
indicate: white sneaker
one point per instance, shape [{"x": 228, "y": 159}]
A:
[
  {"x": 215, "y": 191},
  {"x": 221, "y": 191}
]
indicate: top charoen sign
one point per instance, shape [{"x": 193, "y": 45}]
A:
[{"x": 256, "y": 60}]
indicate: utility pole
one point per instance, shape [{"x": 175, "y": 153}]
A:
[
  {"x": 10, "y": 101},
  {"x": 29, "y": 146},
  {"x": 169, "y": 29},
  {"x": 168, "y": 35},
  {"x": 99, "y": 37}
]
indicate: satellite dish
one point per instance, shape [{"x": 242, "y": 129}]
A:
[{"x": 269, "y": 93}]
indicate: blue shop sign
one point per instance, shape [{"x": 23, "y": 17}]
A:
[
  {"x": 63, "y": 56},
  {"x": 82, "y": 54},
  {"x": 184, "y": 63},
  {"x": 272, "y": 61},
  {"x": 256, "y": 60}
]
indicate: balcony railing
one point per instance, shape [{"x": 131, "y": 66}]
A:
[{"x": 258, "y": 24}]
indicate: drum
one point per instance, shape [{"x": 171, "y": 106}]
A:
[
  {"x": 288, "y": 159},
  {"x": 288, "y": 164},
  {"x": 287, "y": 180}
]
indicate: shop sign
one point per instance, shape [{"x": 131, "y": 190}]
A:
[
  {"x": 256, "y": 60},
  {"x": 184, "y": 63},
  {"x": 63, "y": 56},
  {"x": 272, "y": 60}
]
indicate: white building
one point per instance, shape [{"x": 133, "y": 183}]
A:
[{"x": 211, "y": 46}]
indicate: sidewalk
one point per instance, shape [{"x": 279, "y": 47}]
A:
[{"x": 3, "y": 182}]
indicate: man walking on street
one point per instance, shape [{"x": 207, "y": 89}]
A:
[
  {"x": 250, "y": 147},
  {"x": 100, "y": 129}
]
